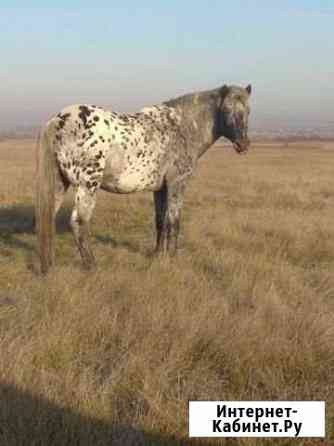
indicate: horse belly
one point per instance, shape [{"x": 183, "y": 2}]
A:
[{"x": 133, "y": 178}]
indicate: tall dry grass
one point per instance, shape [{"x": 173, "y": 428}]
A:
[{"x": 246, "y": 311}]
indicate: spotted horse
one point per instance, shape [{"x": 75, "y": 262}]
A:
[{"x": 155, "y": 150}]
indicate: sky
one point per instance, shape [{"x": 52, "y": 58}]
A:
[{"x": 128, "y": 54}]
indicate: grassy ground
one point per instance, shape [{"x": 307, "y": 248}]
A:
[{"x": 245, "y": 312}]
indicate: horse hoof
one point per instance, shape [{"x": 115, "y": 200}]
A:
[{"x": 89, "y": 266}]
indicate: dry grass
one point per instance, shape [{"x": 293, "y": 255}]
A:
[{"x": 245, "y": 312}]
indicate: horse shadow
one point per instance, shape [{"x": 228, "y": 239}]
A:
[
  {"x": 27, "y": 419},
  {"x": 20, "y": 219},
  {"x": 17, "y": 220}
]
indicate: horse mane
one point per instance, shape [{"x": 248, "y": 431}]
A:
[
  {"x": 190, "y": 99},
  {"x": 205, "y": 97}
]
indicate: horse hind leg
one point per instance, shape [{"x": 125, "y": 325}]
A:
[
  {"x": 83, "y": 209},
  {"x": 61, "y": 187}
]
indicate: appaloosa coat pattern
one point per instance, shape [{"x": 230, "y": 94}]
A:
[{"x": 156, "y": 150}]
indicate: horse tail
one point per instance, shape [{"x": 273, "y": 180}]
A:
[{"x": 45, "y": 200}]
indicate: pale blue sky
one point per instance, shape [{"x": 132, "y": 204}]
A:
[{"x": 127, "y": 54}]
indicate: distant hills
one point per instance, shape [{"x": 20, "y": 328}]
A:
[
  {"x": 293, "y": 133},
  {"x": 289, "y": 129},
  {"x": 281, "y": 131},
  {"x": 20, "y": 132}
]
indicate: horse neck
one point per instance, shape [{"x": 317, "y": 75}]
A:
[
  {"x": 199, "y": 116},
  {"x": 207, "y": 135}
]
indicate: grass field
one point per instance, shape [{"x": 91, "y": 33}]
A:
[{"x": 245, "y": 312}]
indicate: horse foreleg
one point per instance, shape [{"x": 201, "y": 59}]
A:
[
  {"x": 81, "y": 215},
  {"x": 174, "y": 205},
  {"x": 160, "y": 203}
]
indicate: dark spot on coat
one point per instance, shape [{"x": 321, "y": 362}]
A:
[
  {"x": 84, "y": 114},
  {"x": 62, "y": 119}
]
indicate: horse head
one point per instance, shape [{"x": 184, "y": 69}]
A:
[{"x": 233, "y": 112}]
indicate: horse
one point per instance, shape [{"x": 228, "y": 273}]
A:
[{"x": 155, "y": 149}]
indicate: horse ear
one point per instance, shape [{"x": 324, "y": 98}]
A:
[{"x": 249, "y": 89}]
